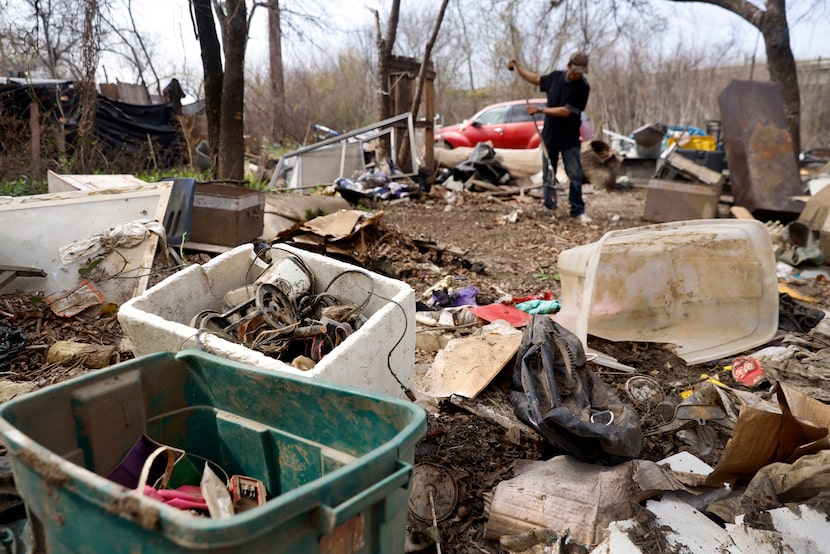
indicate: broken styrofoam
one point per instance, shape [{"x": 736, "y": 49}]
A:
[
  {"x": 617, "y": 539},
  {"x": 795, "y": 529},
  {"x": 689, "y": 530},
  {"x": 379, "y": 356}
]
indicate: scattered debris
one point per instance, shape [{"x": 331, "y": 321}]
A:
[{"x": 466, "y": 488}]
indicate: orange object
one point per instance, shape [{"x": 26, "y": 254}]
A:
[{"x": 74, "y": 301}]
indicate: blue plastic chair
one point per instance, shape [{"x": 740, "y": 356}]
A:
[{"x": 178, "y": 219}]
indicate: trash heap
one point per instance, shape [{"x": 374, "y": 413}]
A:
[
  {"x": 373, "y": 186},
  {"x": 279, "y": 315}
]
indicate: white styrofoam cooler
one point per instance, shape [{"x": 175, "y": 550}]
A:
[{"x": 370, "y": 358}]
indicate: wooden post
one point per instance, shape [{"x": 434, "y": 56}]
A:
[
  {"x": 34, "y": 127},
  {"x": 429, "y": 131}
]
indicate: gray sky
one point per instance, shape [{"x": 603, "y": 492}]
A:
[{"x": 694, "y": 25}]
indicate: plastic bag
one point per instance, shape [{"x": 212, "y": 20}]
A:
[
  {"x": 540, "y": 306},
  {"x": 216, "y": 494}
]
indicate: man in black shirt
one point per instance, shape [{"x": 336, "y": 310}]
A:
[{"x": 567, "y": 93}]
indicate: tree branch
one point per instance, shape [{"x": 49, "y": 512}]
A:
[{"x": 742, "y": 8}]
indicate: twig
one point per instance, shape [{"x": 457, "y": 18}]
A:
[
  {"x": 449, "y": 327},
  {"x": 435, "y": 523}
]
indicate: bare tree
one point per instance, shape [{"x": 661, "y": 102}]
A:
[
  {"x": 231, "y": 131},
  {"x": 466, "y": 46},
  {"x": 131, "y": 44},
  {"x": 45, "y": 36},
  {"x": 283, "y": 21},
  {"x": 385, "y": 42},
  {"x": 213, "y": 74},
  {"x": 90, "y": 49},
  {"x": 772, "y": 23},
  {"x": 421, "y": 82},
  {"x": 224, "y": 85},
  {"x": 276, "y": 70}
]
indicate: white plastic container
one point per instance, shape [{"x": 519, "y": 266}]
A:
[
  {"x": 707, "y": 286},
  {"x": 373, "y": 358}
]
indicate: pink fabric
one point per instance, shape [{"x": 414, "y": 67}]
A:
[{"x": 186, "y": 497}]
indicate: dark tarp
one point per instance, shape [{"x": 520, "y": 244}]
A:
[
  {"x": 54, "y": 99},
  {"x": 131, "y": 127},
  {"x": 120, "y": 128},
  {"x": 15, "y": 98}
]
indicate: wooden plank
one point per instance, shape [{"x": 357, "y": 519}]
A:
[
  {"x": 205, "y": 247},
  {"x": 740, "y": 212},
  {"x": 694, "y": 170},
  {"x": 8, "y": 273}
]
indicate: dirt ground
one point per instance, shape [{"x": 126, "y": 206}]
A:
[
  {"x": 517, "y": 241},
  {"x": 506, "y": 245}
]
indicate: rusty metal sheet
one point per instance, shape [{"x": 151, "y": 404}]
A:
[{"x": 759, "y": 150}]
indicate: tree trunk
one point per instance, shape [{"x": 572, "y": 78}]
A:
[
  {"x": 780, "y": 60},
  {"x": 90, "y": 48},
  {"x": 213, "y": 76},
  {"x": 231, "y": 136},
  {"x": 782, "y": 67},
  {"x": 385, "y": 44},
  {"x": 277, "y": 72}
]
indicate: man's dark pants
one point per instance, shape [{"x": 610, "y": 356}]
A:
[{"x": 572, "y": 161}]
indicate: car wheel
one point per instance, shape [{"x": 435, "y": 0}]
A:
[{"x": 441, "y": 143}]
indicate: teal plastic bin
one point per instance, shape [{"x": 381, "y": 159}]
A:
[{"x": 336, "y": 462}]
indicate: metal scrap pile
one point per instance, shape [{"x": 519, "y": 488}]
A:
[{"x": 283, "y": 317}]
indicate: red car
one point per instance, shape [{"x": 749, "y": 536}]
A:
[{"x": 506, "y": 125}]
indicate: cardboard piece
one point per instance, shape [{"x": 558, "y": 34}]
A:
[
  {"x": 337, "y": 225},
  {"x": 339, "y": 233},
  {"x": 565, "y": 494},
  {"x": 467, "y": 365},
  {"x": 763, "y": 436},
  {"x": 282, "y": 211}
]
